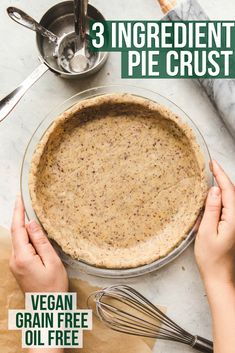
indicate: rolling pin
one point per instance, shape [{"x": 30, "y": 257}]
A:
[{"x": 220, "y": 91}]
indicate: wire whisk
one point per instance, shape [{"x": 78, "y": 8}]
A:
[{"x": 125, "y": 310}]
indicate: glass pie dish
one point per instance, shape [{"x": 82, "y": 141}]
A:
[{"x": 43, "y": 127}]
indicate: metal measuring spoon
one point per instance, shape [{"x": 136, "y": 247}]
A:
[
  {"x": 72, "y": 50},
  {"x": 69, "y": 60},
  {"x": 80, "y": 61},
  {"x": 25, "y": 20},
  {"x": 63, "y": 14}
]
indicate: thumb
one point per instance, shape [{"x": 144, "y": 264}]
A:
[
  {"x": 211, "y": 217},
  {"x": 41, "y": 243}
]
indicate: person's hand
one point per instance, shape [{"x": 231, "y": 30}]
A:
[
  {"x": 215, "y": 242},
  {"x": 34, "y": 262}
]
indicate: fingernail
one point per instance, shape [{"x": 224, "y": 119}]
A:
[
  {"x": 17, "y": 202},
  {"x": 211, "y": 166},
  {"x": 215, "y": 192},
  {"x": 32, "y": 225},
  {"x": 215, "y": 164}
]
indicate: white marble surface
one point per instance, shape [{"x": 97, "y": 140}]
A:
[{"x": 178, "y": 286}]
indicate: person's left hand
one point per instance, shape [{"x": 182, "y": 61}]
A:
[
  {"x": 34, "y": 262},
  {"x": 215, "y": 241}
]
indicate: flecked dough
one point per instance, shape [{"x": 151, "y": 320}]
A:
[{"x": 118, "y": 181}]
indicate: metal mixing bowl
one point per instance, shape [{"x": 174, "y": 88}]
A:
[{"x": 42, "y": 128}]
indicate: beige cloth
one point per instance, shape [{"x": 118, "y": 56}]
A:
[{"x": 99, "y": 340}]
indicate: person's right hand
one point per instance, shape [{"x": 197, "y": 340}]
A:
[
  {"x": 215, "y": 242},
  {"x": 34, "y": 262}
]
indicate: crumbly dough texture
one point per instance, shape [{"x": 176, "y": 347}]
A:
[{"x": 118, "y": 181}]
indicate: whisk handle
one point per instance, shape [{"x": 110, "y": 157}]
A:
[{"x": 203, "y": 345}]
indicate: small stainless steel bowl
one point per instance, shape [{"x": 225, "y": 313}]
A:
[
  {"x": 59, "y": 19},
  {"x": 46, "y": 123}
]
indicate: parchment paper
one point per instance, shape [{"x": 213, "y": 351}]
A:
[{"x": 99, "y": 340}]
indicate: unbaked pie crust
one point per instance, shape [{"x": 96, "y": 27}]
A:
[{"x": 118, "y": 181}]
